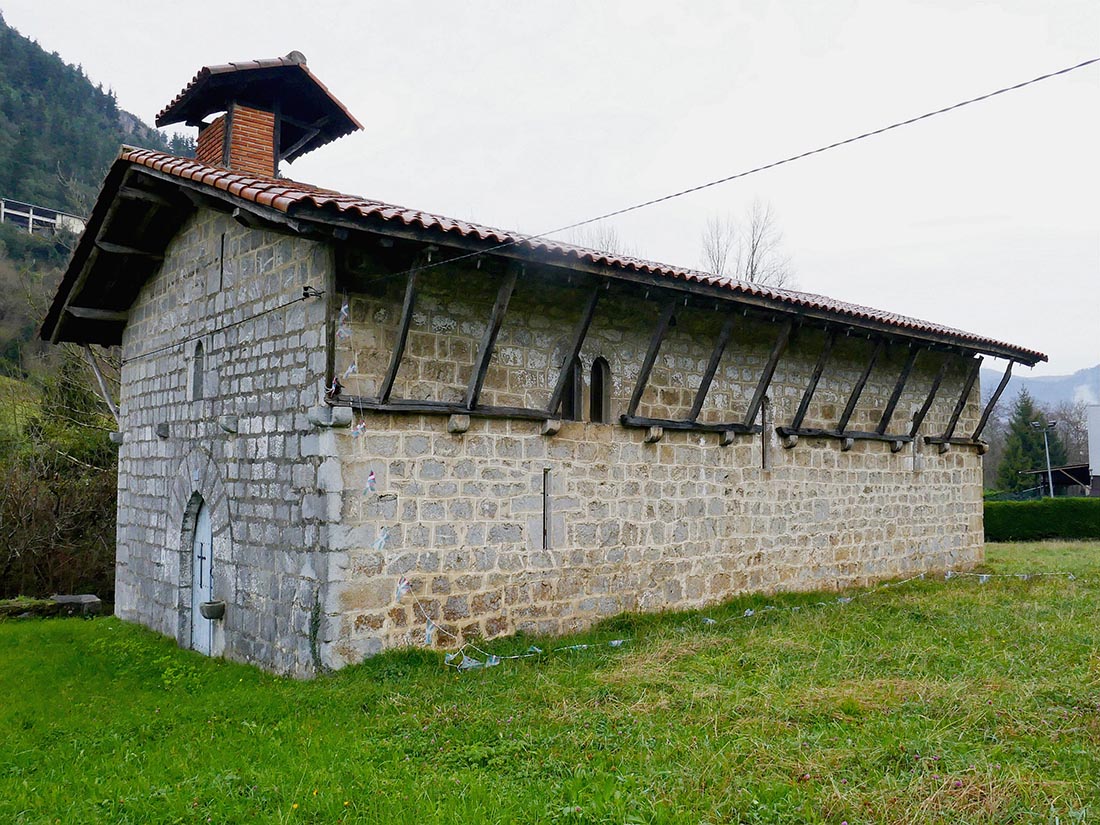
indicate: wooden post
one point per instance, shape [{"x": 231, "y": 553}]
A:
[
  {"x": 650, "y": 357},
  {"x": 899, "y": 388},
  {"x": 968, "y": 385},
  {"x": 578, "y": 341},
  {"x": 489, "y": 339},
  {"x": 712, "y": 367},
  {"x": 811, "y": 388},
  {"x": 769, "y": 370},
  {"x": 993, "y": 401},
  {"x": 402, "y": 335},
  {"x": 857, "y": 390},
  {"x": 101, "y": 381}
]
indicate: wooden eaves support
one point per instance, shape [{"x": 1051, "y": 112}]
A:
[
  {"x": 949, "y": 438},
  {"x": 728, "y": 429},
  {"x": 339, "y": 228},
  {"x": 791, "y": 433}
]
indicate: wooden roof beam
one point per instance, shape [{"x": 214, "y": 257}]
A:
[
  {"x": 489, "y": 339},
  {"x": 712, "y": 366},
  {"x": 778, "y": 349},
  {"x": 650, "y": 357},
  {"x": 579, "y": 335},
  {"x": 857, "y": 390}
]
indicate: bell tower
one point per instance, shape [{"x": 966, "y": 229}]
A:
[{"x": 265, "y": 112}]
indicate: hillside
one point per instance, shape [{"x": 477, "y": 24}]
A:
[
  {"x": 58, "y": 131},
  {"x": 1050, "y": 390}
]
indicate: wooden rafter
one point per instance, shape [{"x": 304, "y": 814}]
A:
[
  {"x": 402, "y": 334},
  {"x": 123, "y": 249},
  {"x": 899, "y": 388},
  {"x": 408, "y": 405},
  {"x": 737, "y": 427},
  {"x": 488, "y": 340},
  {"x": 712, "y": 366},
  {"x": 579, "y": 335},
  {"x": 93, "y": 314},
  {"x": 650, "y": 357},
  {"x": 968, "y": 385},
  {"x": 811, "y": 388},
  {"x": 857, "y": 390},
  {"x": 993, "y": 399},
  {"x": 918, "y": 419},
  {"x": 778, "y": 349}
]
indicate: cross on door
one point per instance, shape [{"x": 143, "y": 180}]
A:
[{"x": 202, "y": 558}]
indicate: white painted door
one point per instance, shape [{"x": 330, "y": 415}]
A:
[{"x": 202, "y": 568}]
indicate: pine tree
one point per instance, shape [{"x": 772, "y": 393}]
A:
[{"x": 1024, "y": 448}]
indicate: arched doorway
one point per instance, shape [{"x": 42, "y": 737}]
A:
[{"x": 202, "y": 575}]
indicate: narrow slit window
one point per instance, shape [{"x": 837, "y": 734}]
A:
[
  {"x": 198, "y": 372},
  {"x": 572, "y": 402},
  {"x": 600, "y": 392}
]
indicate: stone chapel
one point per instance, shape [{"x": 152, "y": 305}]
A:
[{"x": 324, "y": 395}]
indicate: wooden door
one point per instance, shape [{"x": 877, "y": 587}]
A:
[{"x": 202, "y": 590}]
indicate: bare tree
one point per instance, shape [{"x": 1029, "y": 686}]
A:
[
  {"x": 1072, "y": 418},
  {"x": 602, "y": 237},
  {"x": 750, "y": 250},
  {"x": 719, "y": 244}
]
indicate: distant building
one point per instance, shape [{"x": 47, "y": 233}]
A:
[
  {"x": 1069, "y": 480},
  {"x": 328, "y": 400},
  {"x": 38, "y": 219}
]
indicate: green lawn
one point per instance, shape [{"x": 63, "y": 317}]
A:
[{"x": 933, "y": 702}]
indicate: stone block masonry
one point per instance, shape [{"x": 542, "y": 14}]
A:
[
  {"x": 630, "y": 525},
  {"x": 220, "y": 285},
  {"x": 500, "y": 527}
]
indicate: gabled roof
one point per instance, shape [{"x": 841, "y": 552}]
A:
[
  {"x": 283, "y": 199},
  {"x": 307, "y": 109}
]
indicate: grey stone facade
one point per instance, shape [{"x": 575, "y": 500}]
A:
[
  {"x": 264, "y": 367},
  {"x": 630, "y": 525}
]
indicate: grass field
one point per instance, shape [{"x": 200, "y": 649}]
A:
[{"x": 932, "y": 702}]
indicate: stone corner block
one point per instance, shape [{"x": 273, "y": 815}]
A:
[{"x": 328, "y": 416}]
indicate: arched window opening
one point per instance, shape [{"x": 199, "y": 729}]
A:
[
  {"x": 572, "y": 400},
  {"x": 600, "y": 392},
  {"x": 198, "y": 372}
]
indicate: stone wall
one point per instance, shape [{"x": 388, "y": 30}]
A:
[
  {"x": 634, "y": 526},
  {"x": 264, "y": 365}
]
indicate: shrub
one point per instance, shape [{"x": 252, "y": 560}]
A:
[
  {"x": 59, "y": 531},
  {"x": 1047, "y": 518}
]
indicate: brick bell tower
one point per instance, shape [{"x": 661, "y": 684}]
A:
[{"x": 267, "y": 111}]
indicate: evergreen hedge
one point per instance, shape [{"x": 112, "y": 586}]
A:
[{"x": 1047, "y": 518}]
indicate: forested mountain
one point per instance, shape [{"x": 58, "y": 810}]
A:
[{"x": 58, "y": 131}]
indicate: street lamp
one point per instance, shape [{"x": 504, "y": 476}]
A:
[{"x": 1046, "y": 428}]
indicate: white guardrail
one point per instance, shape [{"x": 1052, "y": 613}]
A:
[{"x": 38, "y": 218}]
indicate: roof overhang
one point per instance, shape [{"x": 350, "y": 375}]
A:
[{"x": 147, "y": 196}]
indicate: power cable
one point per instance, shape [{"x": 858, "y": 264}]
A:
[{"x": 736, "y": 176}]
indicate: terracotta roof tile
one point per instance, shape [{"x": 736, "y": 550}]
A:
[{"x": 284, "y": 195}]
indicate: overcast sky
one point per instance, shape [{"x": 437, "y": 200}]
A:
[{"x": 532, "y": 115}]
